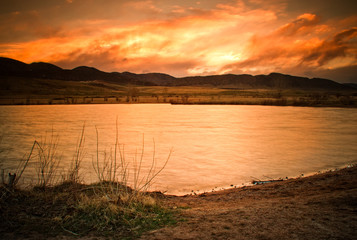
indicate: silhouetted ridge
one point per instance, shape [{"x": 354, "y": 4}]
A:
[
  {"x": 353, "y": 85},
  {"x": 84, "y": 73},
  {"x": 41, "y": 66},
  {"x": 45, "y": 70},
  {"x": 11, "y": 67}
]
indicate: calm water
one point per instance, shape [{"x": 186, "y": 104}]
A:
[{"x": 213, "y": 146}]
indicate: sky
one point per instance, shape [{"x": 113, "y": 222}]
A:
[{"x": 312, "y": 38}]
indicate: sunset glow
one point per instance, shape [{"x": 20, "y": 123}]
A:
[{"x": 184, "y": 38}]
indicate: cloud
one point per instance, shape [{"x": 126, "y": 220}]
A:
[
  {"x": 202, "y": 41},
  {"x": 299, "y": 26},
  {"x": 25, "y": 26},
  {"x": 343, "y": 44},
  {"x": 297, "y": 48},
  {"x": 119, "y": 62},
  {"x": 185, "y": 38},
  {"x": 278, "y": 48}
]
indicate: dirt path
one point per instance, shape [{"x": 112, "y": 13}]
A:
[{"x": 323, "y": 206}]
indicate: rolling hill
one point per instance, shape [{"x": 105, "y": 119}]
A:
[{"x": 10, "y": 68}]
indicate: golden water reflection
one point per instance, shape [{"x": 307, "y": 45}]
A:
[{"x": 213, "y": 146}]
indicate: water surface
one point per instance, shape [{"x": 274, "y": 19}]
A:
[{"x": 212, "y": 146}]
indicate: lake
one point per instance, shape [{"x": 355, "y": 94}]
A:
[{"x": 212, "y": 146}]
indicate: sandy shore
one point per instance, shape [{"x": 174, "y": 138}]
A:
[{"x": 323, "y": 206}]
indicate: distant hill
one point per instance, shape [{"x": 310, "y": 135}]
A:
[
  {"x": 271, "y": 81},
  {"x": 11, "y": 67},
  {"x": 354, "y": 85}
]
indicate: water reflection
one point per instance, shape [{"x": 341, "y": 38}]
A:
[{"x": 212, "y": 145}]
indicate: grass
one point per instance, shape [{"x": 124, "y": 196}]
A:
[
  {"x": 109, "y": 208},
  {"x": 47, "y": 160},
  {"x": 73, "y": 172},
  {"x": 20, "y": 91},
  {"x": 78, "y": 210},
  {"x": 126, "y": 219}
]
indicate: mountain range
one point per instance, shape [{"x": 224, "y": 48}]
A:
[{"x": 13, "y": 68}]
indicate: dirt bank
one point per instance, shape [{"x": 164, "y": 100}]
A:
[{"x": 322, "y": 206}]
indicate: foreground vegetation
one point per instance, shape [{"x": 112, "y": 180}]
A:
[
  {"x": 109, "y": 208},
  {"x": 76, "y": 209}
]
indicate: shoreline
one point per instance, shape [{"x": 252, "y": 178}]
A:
[
  {"x": 251, "y": 183},
  {"x": 320, "y": 206},
  {"x": 194, "y": 103},
  {"x": 270, "y": 181}
]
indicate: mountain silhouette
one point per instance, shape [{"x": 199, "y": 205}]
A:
[{"x": 11, "y": 67}]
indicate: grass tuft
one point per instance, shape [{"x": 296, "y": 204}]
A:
[
  {"x": 78, "y": 210},
  {"x": 108, "y": 208}
]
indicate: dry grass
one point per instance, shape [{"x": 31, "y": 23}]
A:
[
  {"x": 73, "y": 172},
  {"x": 106, "y": 93},
  {"x": 74, "y": 210},
  {"x": 108, "y": 208},
  {"x": 113, "y": 172}
]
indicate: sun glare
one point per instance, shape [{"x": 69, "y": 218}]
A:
[{"x": 230, "y": 57}]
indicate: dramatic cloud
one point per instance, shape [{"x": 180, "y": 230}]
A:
[
  {"x": 342, "y": 46},
  {"x": 302, "y": 47},
  {"x": 185, "y": 38}
]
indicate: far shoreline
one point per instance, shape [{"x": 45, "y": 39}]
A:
[{"x": 174, "y": 103}]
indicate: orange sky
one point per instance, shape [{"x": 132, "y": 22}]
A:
[{"x": 314, "y": 38}]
